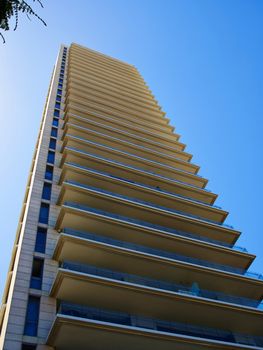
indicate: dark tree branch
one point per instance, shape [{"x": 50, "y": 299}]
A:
[{"x": 11, "y": 8}]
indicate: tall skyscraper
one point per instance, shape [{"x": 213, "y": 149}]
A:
[{"x": 119, "y": 244}]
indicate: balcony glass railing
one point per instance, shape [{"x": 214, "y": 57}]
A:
[
  {"x": 133, "y": 155},
  {"x": 135, "y": 168},
  {"x": 156, "y": 325},
  {"x": 128, "y": 143},
  {"x": 148, "y": 204},
  {"x": 157, "y": 188},
  {"x": 122, "y": 131},
  {"x": 162, "y": 253},
  {"x": 193, "y": 290},
  {"x": 153, "y": 226}
]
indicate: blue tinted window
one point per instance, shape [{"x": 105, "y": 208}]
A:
[
  {"x": 43, "y": 213},
  {"x": 54, "y": 132},
  {"x": 59, "y": 91},
  {"x": 60, "y": 80},
  {"x": 49, "y": 172},
  {"x": 58, "y": 98},
  {"x": 51, "y": 157},
  {"x": 61, "y": 75},
  {"x": 62, "y": 71},
  {"x": 56, "y": 113},
  {"x": 37, "y": 273},
  {"x": 55, "y": 122},
  {"x": 41, "y": 239},
  {"x": 52, "y": 144},
  {"x": 46, "y": 193},
  {"x": 32, "y": 315},
  {"x": 57, "y": 105},
  {"x": 60, "y": 85}
]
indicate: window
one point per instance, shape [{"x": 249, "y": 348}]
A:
[
  {"x": 41, "y": 239},
  {"x": 37, "y": 273},
  {"x": 60, "y": 85},
  {"x": 62, "y": 71},
  {"x": 59, "y": 92},
  {"x": 46, "y": 193},
  {"x": 60, "y": 80},
  {"x": 43, "y": 213},
  {"x": 52, "y": 144},
  {"x": 56, "y": 113},
  {"x": 51, "y": 157},
  {"x": 63, "y": 65},
  {"x": 61, "y": 75},
  {"x": 54, "y": 132},
  {"x": 57, "y": 105},
  {"x": 55, "y": 122},
  {"x": 32, "y": 315},
  {"x": 58, "y": 98},
  {"x": 28, "y": 347},
  {"x": 49, "y": 172}
]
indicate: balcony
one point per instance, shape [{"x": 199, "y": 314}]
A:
[
  {"x": 105, "y": 252},
  {"x": 131, "y": 159},
  {"x": 73, "y": 105},
  {"x": 90, "y": 68},
  {"x": 186, "y": 290},
  {"x": 168, "y": 139},
  {"x": 138, "y": 209},
  {"x": 137, "y": 104},
  {"x": 76, "y": 326},
  {"x": 136, "y": 174},
  {"x": 88, "y": 54},
  {"x": 107, "y": 98},
  {"x": 164, "y": 141},
  {"x": 165, "y": 254},
  {"x": 161, "y": 253},
  {"x": 124, "y": 96},
  {"x": 88, "y": 176},
  {"x": 141, "y": 93},
  {"x": 119, "y": 143},
  {"x": 94, "y": 64},
  {"x": 129, "y": 136},
  {"x": 160, "y": 237}
]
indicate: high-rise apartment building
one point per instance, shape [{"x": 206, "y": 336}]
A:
[{"x": 119, "y": 243}]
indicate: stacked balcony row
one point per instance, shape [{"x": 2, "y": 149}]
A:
[{"x": 146, "y": 260}]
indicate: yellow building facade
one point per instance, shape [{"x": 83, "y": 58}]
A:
[{"x": 119, "y": 244}]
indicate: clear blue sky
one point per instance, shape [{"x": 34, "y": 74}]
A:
[{"x": 201, "y": 58}]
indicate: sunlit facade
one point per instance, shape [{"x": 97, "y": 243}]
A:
[{"x": 119, "y": 243}]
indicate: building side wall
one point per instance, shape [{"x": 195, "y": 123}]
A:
[{"x": 17, "y": 295}]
